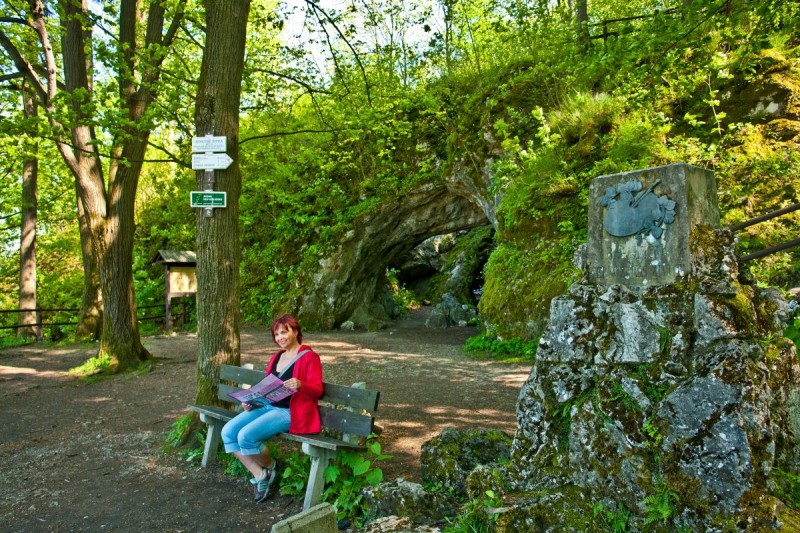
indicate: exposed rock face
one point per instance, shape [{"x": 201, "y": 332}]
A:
[
  {"x": 351, "y": 284},
  {"x": 450, "y": 312},
  {"x": 677, "y": 400}
]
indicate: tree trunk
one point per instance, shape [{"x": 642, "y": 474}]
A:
[
  {"x": 27, "y": 240},
  {"x": 218, "y": 243},
  {"x": 90, "y": 317},
  {"x": 109, "y": 214},
  {"x": 105, "y": 211},
  {"x": 582, "y": 18}
]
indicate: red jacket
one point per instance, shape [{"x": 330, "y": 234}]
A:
[{"x": 303, "y": 404}]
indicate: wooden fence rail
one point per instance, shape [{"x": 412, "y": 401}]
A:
[{"x": 39, "y": 323}]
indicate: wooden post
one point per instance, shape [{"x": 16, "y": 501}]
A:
[
  {"x": 316, "y": 480},
  {"x": 167, "y": 303},
  {"x": 39, "y": 334}
]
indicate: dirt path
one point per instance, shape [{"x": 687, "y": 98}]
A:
[{"x": 80, "y": 457}]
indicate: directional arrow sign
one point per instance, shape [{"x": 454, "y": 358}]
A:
[
  {"x": 208, "y": 143},
  {"x": 209, "y": 199},
  {"x": 210, "y": 161}
]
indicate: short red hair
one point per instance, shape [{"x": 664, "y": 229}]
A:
[{"x": 287, "y": 321}]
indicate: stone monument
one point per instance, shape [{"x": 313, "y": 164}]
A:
[
  {"x": 642, "y": 224},
  {"x": 664, "y": 396}
]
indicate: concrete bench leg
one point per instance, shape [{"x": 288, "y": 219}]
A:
[
  {"x": 316, "y": 480},
  {"x": 213, "y": 438}
]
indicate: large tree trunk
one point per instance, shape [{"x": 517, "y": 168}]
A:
[
  {"x": 218, "y": 243},
  {"x": 109, "y": 214},
  {"x": 27, "y": 239},
  {"x": 107, "y": 208}
]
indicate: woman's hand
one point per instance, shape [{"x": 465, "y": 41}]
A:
[
  {"x": 293, "y": 384},
  {"x": 247, "y": 406}
]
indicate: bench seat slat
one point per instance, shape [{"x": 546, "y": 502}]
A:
[
  {"x": 322, "y": 441},
  {"x": 215, "y": 412}
]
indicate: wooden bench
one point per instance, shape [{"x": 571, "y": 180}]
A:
[{"x": 342, "y": 412}]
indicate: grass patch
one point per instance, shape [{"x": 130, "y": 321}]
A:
[
  {"x": 92, "y": 367},
  {"x": 513, "y": 350}
]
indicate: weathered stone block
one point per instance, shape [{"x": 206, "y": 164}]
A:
[
  {"x": 404, "y": 498},
  {"x": 641, "y": 224},
  {"x": 318, "y": 519}
]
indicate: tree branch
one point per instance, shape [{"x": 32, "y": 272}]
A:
[
  {"x": 318, "y": 9},
  {"x": 286, "y": 133},
  {"x": 23, "y": 66},
  {"x": 298, "y": 81}
]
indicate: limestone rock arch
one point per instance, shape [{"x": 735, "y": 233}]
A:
[{"x": 351, "y": 284}]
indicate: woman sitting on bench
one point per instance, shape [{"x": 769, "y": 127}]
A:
[{"x": 246, "y": 434}]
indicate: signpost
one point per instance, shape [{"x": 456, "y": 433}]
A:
[
  {"x": 206, "y": 157},
  {"x": 211, "y": 161},
  {"x": 208, "y": 199},
  {"x": 209, "y": 143}
]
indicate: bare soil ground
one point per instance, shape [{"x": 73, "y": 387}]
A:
[{"x": 77, "y": 456}]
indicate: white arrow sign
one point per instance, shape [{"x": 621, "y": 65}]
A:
[
  {"x": 210, "y": 161},
  {"x": 209, "y": 143}
]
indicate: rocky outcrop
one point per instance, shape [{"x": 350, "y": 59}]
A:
[
  {"x": 672, "y": 404},
  {"x": 448, "y": 459},
  {"x": 455, "y": 464},
  {"x": 408, "y": 500},
  {"x": 450, "y": 312}
]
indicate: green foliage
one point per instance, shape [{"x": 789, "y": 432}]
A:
[
  {"x": 661, "y": 505},
  {"x": 509, "y": 88},
  {"x": 177, "y": 436},
  {"x": 178, "y": 430},
  {"x": 653, "y": 434},
  {"x": 562, "y": 416},
  {"x": 614, "y": 520},
  {"x": 508, "y": 350},
  {"x": 474, "y": 517},
  {"x": 294, "y": 477},
  {"x": 792, "y": 332},
  {"x": 348, "y": 474},
  {"x": 788, "y": 487},
  {"x": 619, "y": 394},
  {"x": 404, "y": 299},
  {"x": 93, "y": 366}
]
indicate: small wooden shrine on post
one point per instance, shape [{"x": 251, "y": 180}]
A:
[{"x": 180, "y": 277}]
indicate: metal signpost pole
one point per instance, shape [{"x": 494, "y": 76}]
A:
[{"x": 206, "y": 157}]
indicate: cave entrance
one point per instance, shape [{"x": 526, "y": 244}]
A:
[{"x": 450, "y": 263}]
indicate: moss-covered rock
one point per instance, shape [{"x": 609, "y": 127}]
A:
[
  {"x": 406, "y": 499},
  {"x": 447, "y": 460}
]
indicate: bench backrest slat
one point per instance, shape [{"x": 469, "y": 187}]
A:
[
  {"x": 242, "y": 376},
  {"x": 222, "y": 392},
  {"x": 345, "y": 421},
  {"x": 351, "y": 397},
  {"x": 331, "y": 416}
]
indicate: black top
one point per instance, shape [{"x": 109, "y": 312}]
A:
[{"x": 288, "y": 371}]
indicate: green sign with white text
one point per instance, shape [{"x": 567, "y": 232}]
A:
[{"x": 209, "y": 199}]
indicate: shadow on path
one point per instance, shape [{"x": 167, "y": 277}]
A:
[{"x": 81, "y": 456}]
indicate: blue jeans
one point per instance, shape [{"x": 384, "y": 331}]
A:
[{"x": 247, "y": 431}]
